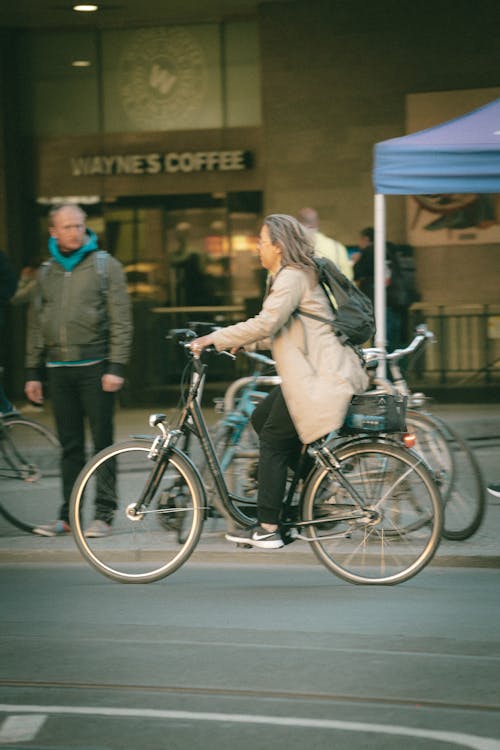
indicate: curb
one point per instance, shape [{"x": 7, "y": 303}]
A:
[{"x": 241, "y": 557}]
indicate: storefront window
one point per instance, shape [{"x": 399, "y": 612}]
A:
[{"x": 186, "y": 251}]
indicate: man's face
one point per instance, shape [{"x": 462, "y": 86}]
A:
[
  {"x": 364, "y": 241},
  {"x": 68, "y": 229}
]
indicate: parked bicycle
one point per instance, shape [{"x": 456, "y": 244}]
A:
[
  {"x": 235, "y": 441},
  {"x": 370, "y": 508},
  {"x": 447, "y": 453},
  {"x": 453, "y": 461},
  {"x": 29, "y": 470}
]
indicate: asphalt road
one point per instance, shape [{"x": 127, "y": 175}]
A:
[{"x": 258, "y": 657}]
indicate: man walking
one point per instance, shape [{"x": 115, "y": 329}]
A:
[
  {"x": 326, "y": 247},
  {"x": 82, "y": 334}
]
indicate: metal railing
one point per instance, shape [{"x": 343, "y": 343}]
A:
[
  {"x": 467, "y": 350},
  {"x": 466, "y": 353}
]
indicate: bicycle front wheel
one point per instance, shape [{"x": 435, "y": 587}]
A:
[
  {"x": 153, "y": 542},
  {"x": 457, "y": 470},
  {"x": 397, "y": 534},
  {"x": 30, "y": 457}
]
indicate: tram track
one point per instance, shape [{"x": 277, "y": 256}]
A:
[{"x": 264, "y": 694}]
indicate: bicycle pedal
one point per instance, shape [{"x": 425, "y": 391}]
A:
[{"x": 244, "y": 546}]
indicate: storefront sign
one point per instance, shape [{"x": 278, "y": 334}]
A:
[{"x": 170, "y": 163}]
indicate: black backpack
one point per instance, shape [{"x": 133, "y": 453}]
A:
[{"x": 354, "y": 321}]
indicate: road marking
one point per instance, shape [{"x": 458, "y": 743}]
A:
[
  {"x": 20, "y": 728},
  {"x": 475, "y": 742}
]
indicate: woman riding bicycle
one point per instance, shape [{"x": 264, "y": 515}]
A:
[{"x": 319, "y": 375}]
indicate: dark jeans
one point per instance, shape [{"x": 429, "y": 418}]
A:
[
  {"x": 394, "y": 325},
  {"x": 280, "y": 448},
  {"x": 77, "y": 395}
]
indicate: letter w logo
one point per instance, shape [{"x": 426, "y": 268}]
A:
[{"x": 161, "y": 79}]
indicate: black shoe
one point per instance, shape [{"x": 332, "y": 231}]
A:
[
  {"x": 257, "y": 537},
  {"x": 494, "y": 489}
]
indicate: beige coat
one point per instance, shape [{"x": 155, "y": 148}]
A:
[{"x": 319, "y": 375}]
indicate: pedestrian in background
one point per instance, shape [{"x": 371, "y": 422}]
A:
[
  {"x": 8, "y": 284},
  {"x": 397, "y": 297},
  {"x": 82, "y": 334},
  {"x": 326, "y": 247},
  {"x": 27, "y": 284},
  {"x": 25, "y": 297}
]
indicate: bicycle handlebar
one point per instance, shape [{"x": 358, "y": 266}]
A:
[
  {"x": 209, "y": 349},
  {"x": 188, "y": 335},
  {"x": 260, "y": 358},
  {"x": 422, "y": 337}
]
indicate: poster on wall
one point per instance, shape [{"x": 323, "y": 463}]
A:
[{"x": 457, "y": 218}]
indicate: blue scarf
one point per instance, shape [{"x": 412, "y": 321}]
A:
[{"x": 68, "y": 262}]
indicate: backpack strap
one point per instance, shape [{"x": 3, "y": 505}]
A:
[
  {"x": 44, "y": 269},
  {"x": 101, "y": 262},
  {"x": 101, "y": 265},
  {"x": 344, "y": 340},
  {"x": 331, "y": 322}
]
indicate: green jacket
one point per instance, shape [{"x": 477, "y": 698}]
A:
[{"x": 80, "y": 317}]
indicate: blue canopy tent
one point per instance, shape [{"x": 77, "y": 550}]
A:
[{"x": 459, "y": 156}]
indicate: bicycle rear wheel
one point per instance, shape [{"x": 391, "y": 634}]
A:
[
  {"x": 160, "y": 538},
  {"x": 461, "y": 484},
  {"x": 30, "y": 456},
  {"x": 398, "y": 535}
]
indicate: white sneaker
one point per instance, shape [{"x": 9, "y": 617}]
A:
[
  {"x": 257, "y": 536},
  {"x": 54, "y": 528},
  {"x": 98, "y": 528}
]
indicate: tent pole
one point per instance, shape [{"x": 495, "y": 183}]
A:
[{"x": 379, "y": 278}]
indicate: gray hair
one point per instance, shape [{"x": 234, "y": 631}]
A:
[
  {"x": 54, "y": 210},
  {"x": 294, "y": 240}
]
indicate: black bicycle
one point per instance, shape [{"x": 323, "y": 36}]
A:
[
  {"x": 29, "y": 469},
  {"x": 370, "y": 508}
]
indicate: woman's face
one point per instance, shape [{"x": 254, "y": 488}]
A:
[{"x": 270, "y": 254}]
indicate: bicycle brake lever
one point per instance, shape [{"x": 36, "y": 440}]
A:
[{"x": 175, "y": 332}]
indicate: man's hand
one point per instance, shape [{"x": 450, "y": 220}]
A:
[
  {"x": 34, "y": 391},
  {"x": 111, "y": 383}
]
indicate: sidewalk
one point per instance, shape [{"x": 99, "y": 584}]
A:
[{"x": 481, "y": 550}]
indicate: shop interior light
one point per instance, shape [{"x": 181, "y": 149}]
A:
[
  {"x": 85, "y": 8},
  {"x": 81, "y": 63},
  {"x": 88, "y": 200}
]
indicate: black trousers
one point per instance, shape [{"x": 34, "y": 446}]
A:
[
  {"x": 77, "y": 395},
  {"x": 280, "y": 448}
]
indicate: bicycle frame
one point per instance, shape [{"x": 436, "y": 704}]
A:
[{"x": 192, "y": 420}]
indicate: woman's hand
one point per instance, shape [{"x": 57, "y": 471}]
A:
[{"x": 197, "y": 345}]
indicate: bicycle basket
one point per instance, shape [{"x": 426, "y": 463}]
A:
[{"x": 376, "y": 412}]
